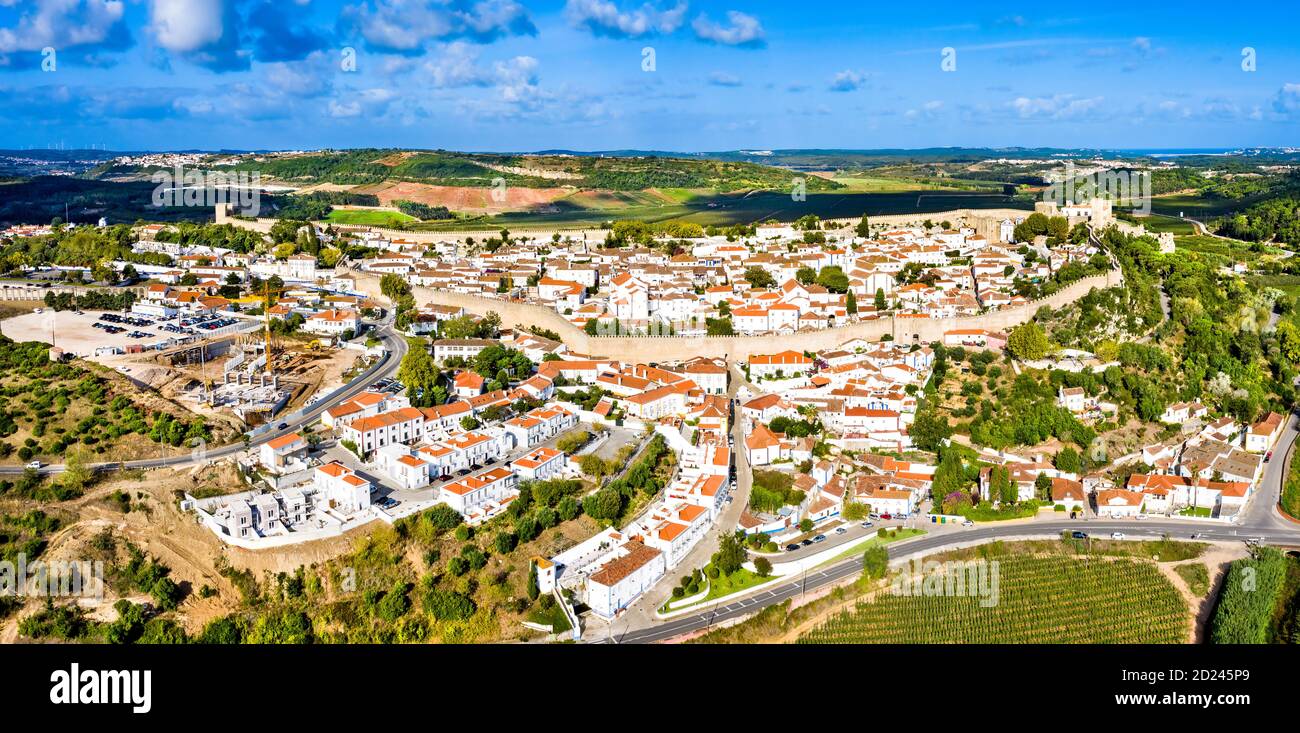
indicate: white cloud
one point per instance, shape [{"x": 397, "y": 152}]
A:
[
  {"x": 405, "y": 26},
  {"x": 183, "y": 26},
  {"x": 604, "y": 18},
  {"x": 745, "y": 30},
  {"x": 1056, "y": 107},
  {"x": 61, "y": 24},
  {"x": 849, "y": 81},
  {"x": 457, "y": 66},
  {"x": 1287, "y": 100}
]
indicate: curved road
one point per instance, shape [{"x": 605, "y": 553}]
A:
[
  {"x": 1261, "y": 521},
  {"x": 386, "y": 366}
]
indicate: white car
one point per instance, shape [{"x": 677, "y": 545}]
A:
[
  {"x": 35, "y": 464},
  {"x": 1117, "y": 535}
]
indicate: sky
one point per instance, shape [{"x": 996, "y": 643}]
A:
[{"x": 679, "y": 75}]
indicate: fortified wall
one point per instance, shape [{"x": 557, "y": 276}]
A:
[{"x": 645, "y": 349}]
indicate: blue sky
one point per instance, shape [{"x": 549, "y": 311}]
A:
[{"x": 518, "y": 75}]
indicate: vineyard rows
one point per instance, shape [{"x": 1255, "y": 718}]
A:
[{"x": 1041, "y": 600}]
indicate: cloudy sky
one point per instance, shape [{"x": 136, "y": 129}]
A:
[{"x": 687, "y": 75}]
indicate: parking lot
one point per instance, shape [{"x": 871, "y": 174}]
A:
[{"x": 82, "y": 332}]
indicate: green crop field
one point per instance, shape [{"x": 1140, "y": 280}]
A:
[
  {"x": 1041, "y": 600},
  {"x": 726, "y": 209},
  {"x": 369, "y": 217}
]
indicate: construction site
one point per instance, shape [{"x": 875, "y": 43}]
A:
[
  {"x": 228, "y": 376},
  {"x": 236, "y": 376}
]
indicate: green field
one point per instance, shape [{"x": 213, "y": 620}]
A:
[
  {"x": 726, "y": 209},
  {"x": 1225, "y": 249},
  {"x": 1040, "y": 600},
  {"x": 1200, "y": 206},
  {"x": 1161, "y": 223},
  {"x": 369, "y": 217}
]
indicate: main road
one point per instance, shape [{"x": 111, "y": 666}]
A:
[
  {"x": 396, "y": 348},
  {"x": 1261, "y": 521}
]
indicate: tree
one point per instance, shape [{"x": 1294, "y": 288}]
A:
[
  {"x": 863, "y": 229},
  {"x": 880, "y": 299},
  {"x": 593, "y": 465},
  {"x": 851, "y": 303},
  {"x": 1068, "y": 460},
  {"x": 1043, "y": 487},
  {"x": 875, "y": 562},
  {"x": 832, "y": 278},
  {"x": 420, "y": 375},
  {"x": 394, "y": 604},
  {"x": 763, "y": 567},
  {"x": 532, "y": 588},
  {"x": 1028, "y": 342},
  {"x": 1288, "y": 338},
  {"x": 854, "y": 511},
  {"x": 805, "y": 275},
  {"x": 929, "y": 430},
  {"x": 757, "y": 277},
  {"x": 949, "y": 476},
  {"x": 731, "y": 553},
  {"x": 805, "y": 525}
]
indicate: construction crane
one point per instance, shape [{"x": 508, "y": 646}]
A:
[{"x": 267, "y": 292}]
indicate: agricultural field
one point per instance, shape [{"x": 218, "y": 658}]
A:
[
  {"x": 1260, "y": 601},
  {"x": 1041, "y": 600},
  {"x": 1200, "y": 206},
  {"x": 726, "y": 209},
  {"x": 1162, "y": 223},
  {"x": 369, "y": 217},
  {"x": 1224, "y": 249}
]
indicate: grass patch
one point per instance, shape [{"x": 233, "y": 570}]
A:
[
  {"x": 1197, "y": 577},
  {"x": 550, "y": 614},
  {"x": 902, "y": 533},
  {"x": 369, "y": 217},
  {"x": 723, "y": 585}
]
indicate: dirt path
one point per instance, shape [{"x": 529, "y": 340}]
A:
[{"x": 1216, "y": 559}]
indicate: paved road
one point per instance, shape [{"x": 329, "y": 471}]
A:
[
  {"x": 386, "y": 366},
  {"x": 1098, "y": 528},
  {"x": 1260, "y": 521},
  {"x": 642, "y": 611}
]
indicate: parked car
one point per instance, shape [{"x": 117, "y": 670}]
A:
[
  {"x": 886, "y": 517},
  {"x": 968, "y": 523},
  {"x": 806, "y": 542},
  {"x": 819, "y": 538},
  {"x": 874, "y": 516},
  {"x": 1076, "y": 534},
  {"x": 840, "y": 530},
  {"x": 792, "y": 547},
  {"x": 1117, "y": 535},
  {"x": 866, "y": 524},
  {"x": 1268, "y": 456}
]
